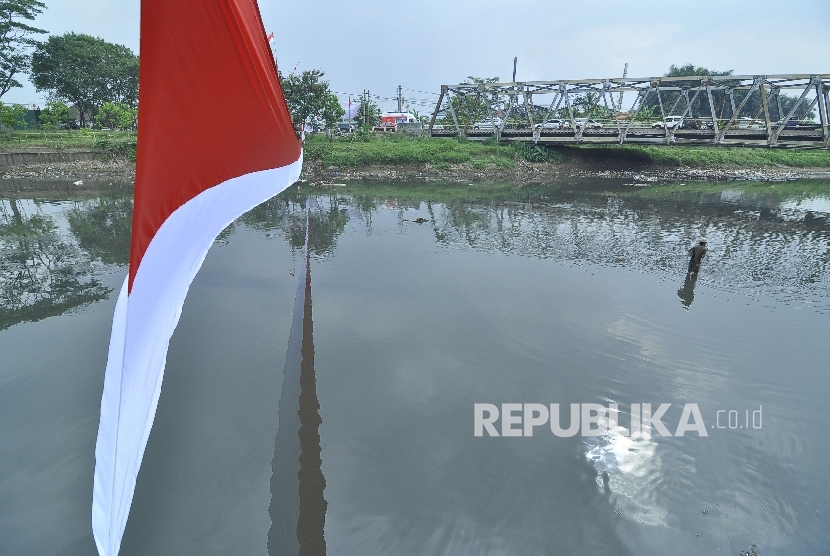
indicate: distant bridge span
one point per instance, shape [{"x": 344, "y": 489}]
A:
[{"x": 730, "y": 110}]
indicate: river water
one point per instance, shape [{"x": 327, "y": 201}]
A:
[{"x": 574, "y": 294}]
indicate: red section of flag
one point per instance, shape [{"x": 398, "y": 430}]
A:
[{"x": 211, "y": 107}]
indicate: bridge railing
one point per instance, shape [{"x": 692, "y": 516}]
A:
[{"x": 718, "y": 110}]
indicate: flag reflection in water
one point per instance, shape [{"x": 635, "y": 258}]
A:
[{"x": 298, "y": 509}]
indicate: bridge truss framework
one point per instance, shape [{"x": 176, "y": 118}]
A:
[{"x": 764, "y": 132}]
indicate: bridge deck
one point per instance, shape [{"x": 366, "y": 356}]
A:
[{"x": 647, "y": 136}]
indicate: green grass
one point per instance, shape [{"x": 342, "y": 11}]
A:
[
  {"x": 114, "y": 143},
  {"x": 393, "y": 149},
  {"x": 401, "y": 150}
]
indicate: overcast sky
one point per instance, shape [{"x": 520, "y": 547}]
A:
[{"x": 378, "y": 45}]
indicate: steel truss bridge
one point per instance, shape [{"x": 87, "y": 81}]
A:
[{"x": 719, "y": 117}]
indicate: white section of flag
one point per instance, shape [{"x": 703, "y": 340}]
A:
[{"x": 141, "y": 330}]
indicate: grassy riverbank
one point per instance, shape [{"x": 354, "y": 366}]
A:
[
  {"x": 114, "y": 143},
  {"x": 389, "y": 150}
]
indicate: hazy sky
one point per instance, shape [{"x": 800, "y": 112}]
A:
[{"x": 378, "y": 45}]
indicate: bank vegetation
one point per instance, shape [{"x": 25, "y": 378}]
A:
[{"x": 361, "y": 150}]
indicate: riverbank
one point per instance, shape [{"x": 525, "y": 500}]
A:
[
  {"x": 108, "y": 163},
  {"x": 400, "y": 158}
]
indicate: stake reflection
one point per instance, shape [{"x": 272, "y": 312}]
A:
[{"x": 298, "y": 509}]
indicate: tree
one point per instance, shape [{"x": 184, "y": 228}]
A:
[
  {"x": 86, "y": 71},
  {"x": 116, "y": 116},
  {"x": 54, "y": 114},
  {"x": 588, "y": 105},
  {"x": 700, "y": 107},
  {"x": 287, "y": 213},
  {"x": 722, "y": 102},
  {"x": 368, "y": 113},
  {"x": 471, "y": 108},
  {"x": 102, "y": 229},
  {"x": 16, "y": 39},
  {"x": 11, "y": 115},
  {"x": 43, "y": 274},
  {"x": 309, "y": 98}
]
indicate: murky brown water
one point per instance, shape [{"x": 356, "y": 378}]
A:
[{"x": 573, "y": 295}]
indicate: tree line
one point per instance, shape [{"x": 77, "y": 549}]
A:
[
  {"x": 723, "y": 104},
  {"x": 98, "y": 79}
]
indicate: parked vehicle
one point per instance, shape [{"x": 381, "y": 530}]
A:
[
  {"x": 796, "y": 124},
  {"x": 705, "y": 123},
  {"x": 691, "y": 123},
  {"x": 590, "y": 124},
  {"x": 347, "y": 127},
  {"x": 487, "y": 124},
  {"x": 551, "y": 124},
  {"x": 671, "y": 121},
  {"x": 748, "y": 123},
  {"x": 389, "y": 120}
]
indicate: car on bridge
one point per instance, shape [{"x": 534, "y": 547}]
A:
[
  {"x": 671, "y": 121},
  {"x": 487, "y": 124},
  {"x": 683, "y": 123},
  {"x": 797, "y": 124},
  {"x": 551, "y": 124},
  {"x": 590, "y": 124},
  {"x": 750, "y": 123}
]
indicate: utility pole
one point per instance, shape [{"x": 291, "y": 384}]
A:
[
  {"x": 366, "y": 107},
  {"x": 400, "y": 100}
]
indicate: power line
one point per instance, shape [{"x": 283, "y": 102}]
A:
[
  {"x": 425, "y": 92},
  {"x": 418, "y": 101}
]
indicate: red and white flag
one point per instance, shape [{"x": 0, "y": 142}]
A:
[{"x": 215, "y": 140}]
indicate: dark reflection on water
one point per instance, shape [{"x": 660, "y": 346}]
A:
[
  {"x": 285, "y": 214},
  {"x": 298, "y": 508},
  {"x": 43, "y": 272},
  {"x": 102, "y": 228},
  {"x": 759, "y": 243},
  {"x": 687, "y": 292},
  {"x": 764, "y": 239}
]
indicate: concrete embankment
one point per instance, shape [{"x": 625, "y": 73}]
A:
[
  {"x": 63, "y": 171},
  {"x": 45, "y": 156}
]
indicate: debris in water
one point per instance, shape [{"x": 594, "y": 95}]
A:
[{"x": 78, "y": 183}]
